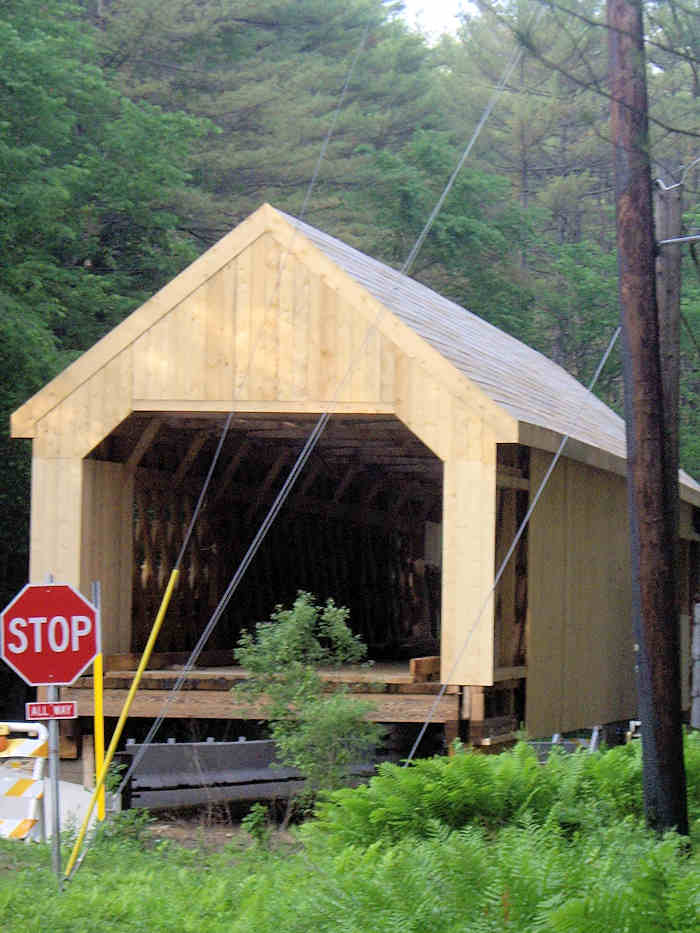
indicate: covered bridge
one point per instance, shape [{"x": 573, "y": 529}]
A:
[{"x": 442, "y": 427}]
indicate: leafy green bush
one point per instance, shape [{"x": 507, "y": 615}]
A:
[{"x": 322, "y": 734}]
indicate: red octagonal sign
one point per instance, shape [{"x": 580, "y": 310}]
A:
[{"x": 49, "y": 634}]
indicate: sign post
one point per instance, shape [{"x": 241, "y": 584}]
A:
[{"x": 49, "y": 635}]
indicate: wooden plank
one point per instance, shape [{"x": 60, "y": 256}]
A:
[
  {"x": 243, "y": 336},
  {"x": 316, "y": 406},
  {"x": 211, "y": 704},
  {"x": 219, "y": 294},
  {"x": 423, "y": 669},
  {"x": 469, "y": 494},
  {"x": 491, "y": 741},
  {"x": 287, "y": 320},
  {"x": 56, "y": 513},
  {"x": 314, "y": 347},
  {"x": 547, "y": 572},
  {"x": 262, "y": 361},
  {"x": 106, "y": 546},
  {"x": 224, "y": 679},
  {"x": 477, "y": 704}
]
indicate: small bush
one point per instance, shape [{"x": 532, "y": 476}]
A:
[{"x": 322, "y": 734}]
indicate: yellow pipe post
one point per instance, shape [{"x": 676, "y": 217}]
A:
[
  {"x": 145, "y": 657},
  {"x": 99, "y": 729}
]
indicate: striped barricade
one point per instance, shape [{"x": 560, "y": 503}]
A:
[{"x": 24, "y": 749}]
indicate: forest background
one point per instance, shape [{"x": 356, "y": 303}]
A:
[{"x": 135, "y": 133}]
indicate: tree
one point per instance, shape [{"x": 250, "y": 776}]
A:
[
  {"x": 88, "y": 218},
  {"x": 269, "y": 76},
  {"x": 321, "y": 734}
]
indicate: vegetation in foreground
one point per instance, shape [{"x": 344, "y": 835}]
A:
[
  {"x": 467, "y": 843},
  {"x": 323, "y": 734}
]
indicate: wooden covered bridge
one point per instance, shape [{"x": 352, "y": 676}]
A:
[{"x": 442, "y": 427}]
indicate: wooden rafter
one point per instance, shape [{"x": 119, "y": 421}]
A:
[
  {"x": 196, "y": 445},
  {"x": 231, "y": 469},
  {"x": 350, "y": 475},
  {"x": 144, "y": 442},
  {"x": 272, "y": 475}
]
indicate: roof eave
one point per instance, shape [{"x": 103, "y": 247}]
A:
[{"x": 533, "y": 435}]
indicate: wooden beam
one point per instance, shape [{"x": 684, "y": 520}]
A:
[
  {"x": 350, "y": 475},
  {"x": 196, "y": 445},
  {"x": 423, "y": 669},
  {"x": 188, "y": 406},
  {"x": 311, "y": 475},
  {"x": 231, "y": 469},
  {"x": 509, "y": 481},
  {"x": 144, "y": 442},
  {"x": 214, "y": 704},
  {"x": 272, "y": 475}
]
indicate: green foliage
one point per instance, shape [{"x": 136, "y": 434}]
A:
[
  {"x": 257, "y": 824},
  {"x": 90, "y": 186},
  {"x": 321, "y": 734},
  {"x": 568, "y": 793},
  {"x": 523, "y": 874}
]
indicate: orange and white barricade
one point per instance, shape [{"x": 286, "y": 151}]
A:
[{"x": 24, "y": 748}]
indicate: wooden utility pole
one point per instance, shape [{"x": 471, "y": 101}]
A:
[{"x": 652, "y": 489}]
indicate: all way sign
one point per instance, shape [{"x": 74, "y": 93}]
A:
[
  {"x": 65, "y": 710},
  {"x": 49, "y": 634}
]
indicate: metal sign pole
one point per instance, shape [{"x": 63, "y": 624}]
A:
[{"x": 52, "y": 696}]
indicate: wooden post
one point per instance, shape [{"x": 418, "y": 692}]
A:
[{"x": 652, "y": 491}]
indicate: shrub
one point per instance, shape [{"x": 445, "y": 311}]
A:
[{"x": 322, "y": 734}]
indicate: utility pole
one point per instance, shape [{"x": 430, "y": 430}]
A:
[{"x": 652, "y": 489}]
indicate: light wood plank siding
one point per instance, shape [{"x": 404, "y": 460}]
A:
[
  {"x": 581, "y": 647},
  {"x": 106, "y": 546}
]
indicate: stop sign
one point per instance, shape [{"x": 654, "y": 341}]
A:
[{"x": 49, "y": 634}]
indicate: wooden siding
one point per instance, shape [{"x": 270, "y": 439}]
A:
[
  {"x": 106, "y": 549},
  {"x": 55, "y": 520},
  {"x": 580, "y": 646},
  {"x": 469, "y": 497}
]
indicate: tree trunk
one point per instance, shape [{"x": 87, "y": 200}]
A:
[{"x": 653, "y": 492}]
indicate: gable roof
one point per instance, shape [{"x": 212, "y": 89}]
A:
[
  {"x": 524, "y": 382},
  {"x": 519, "y": 380},
  {"x": 529, "y": 386}
]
